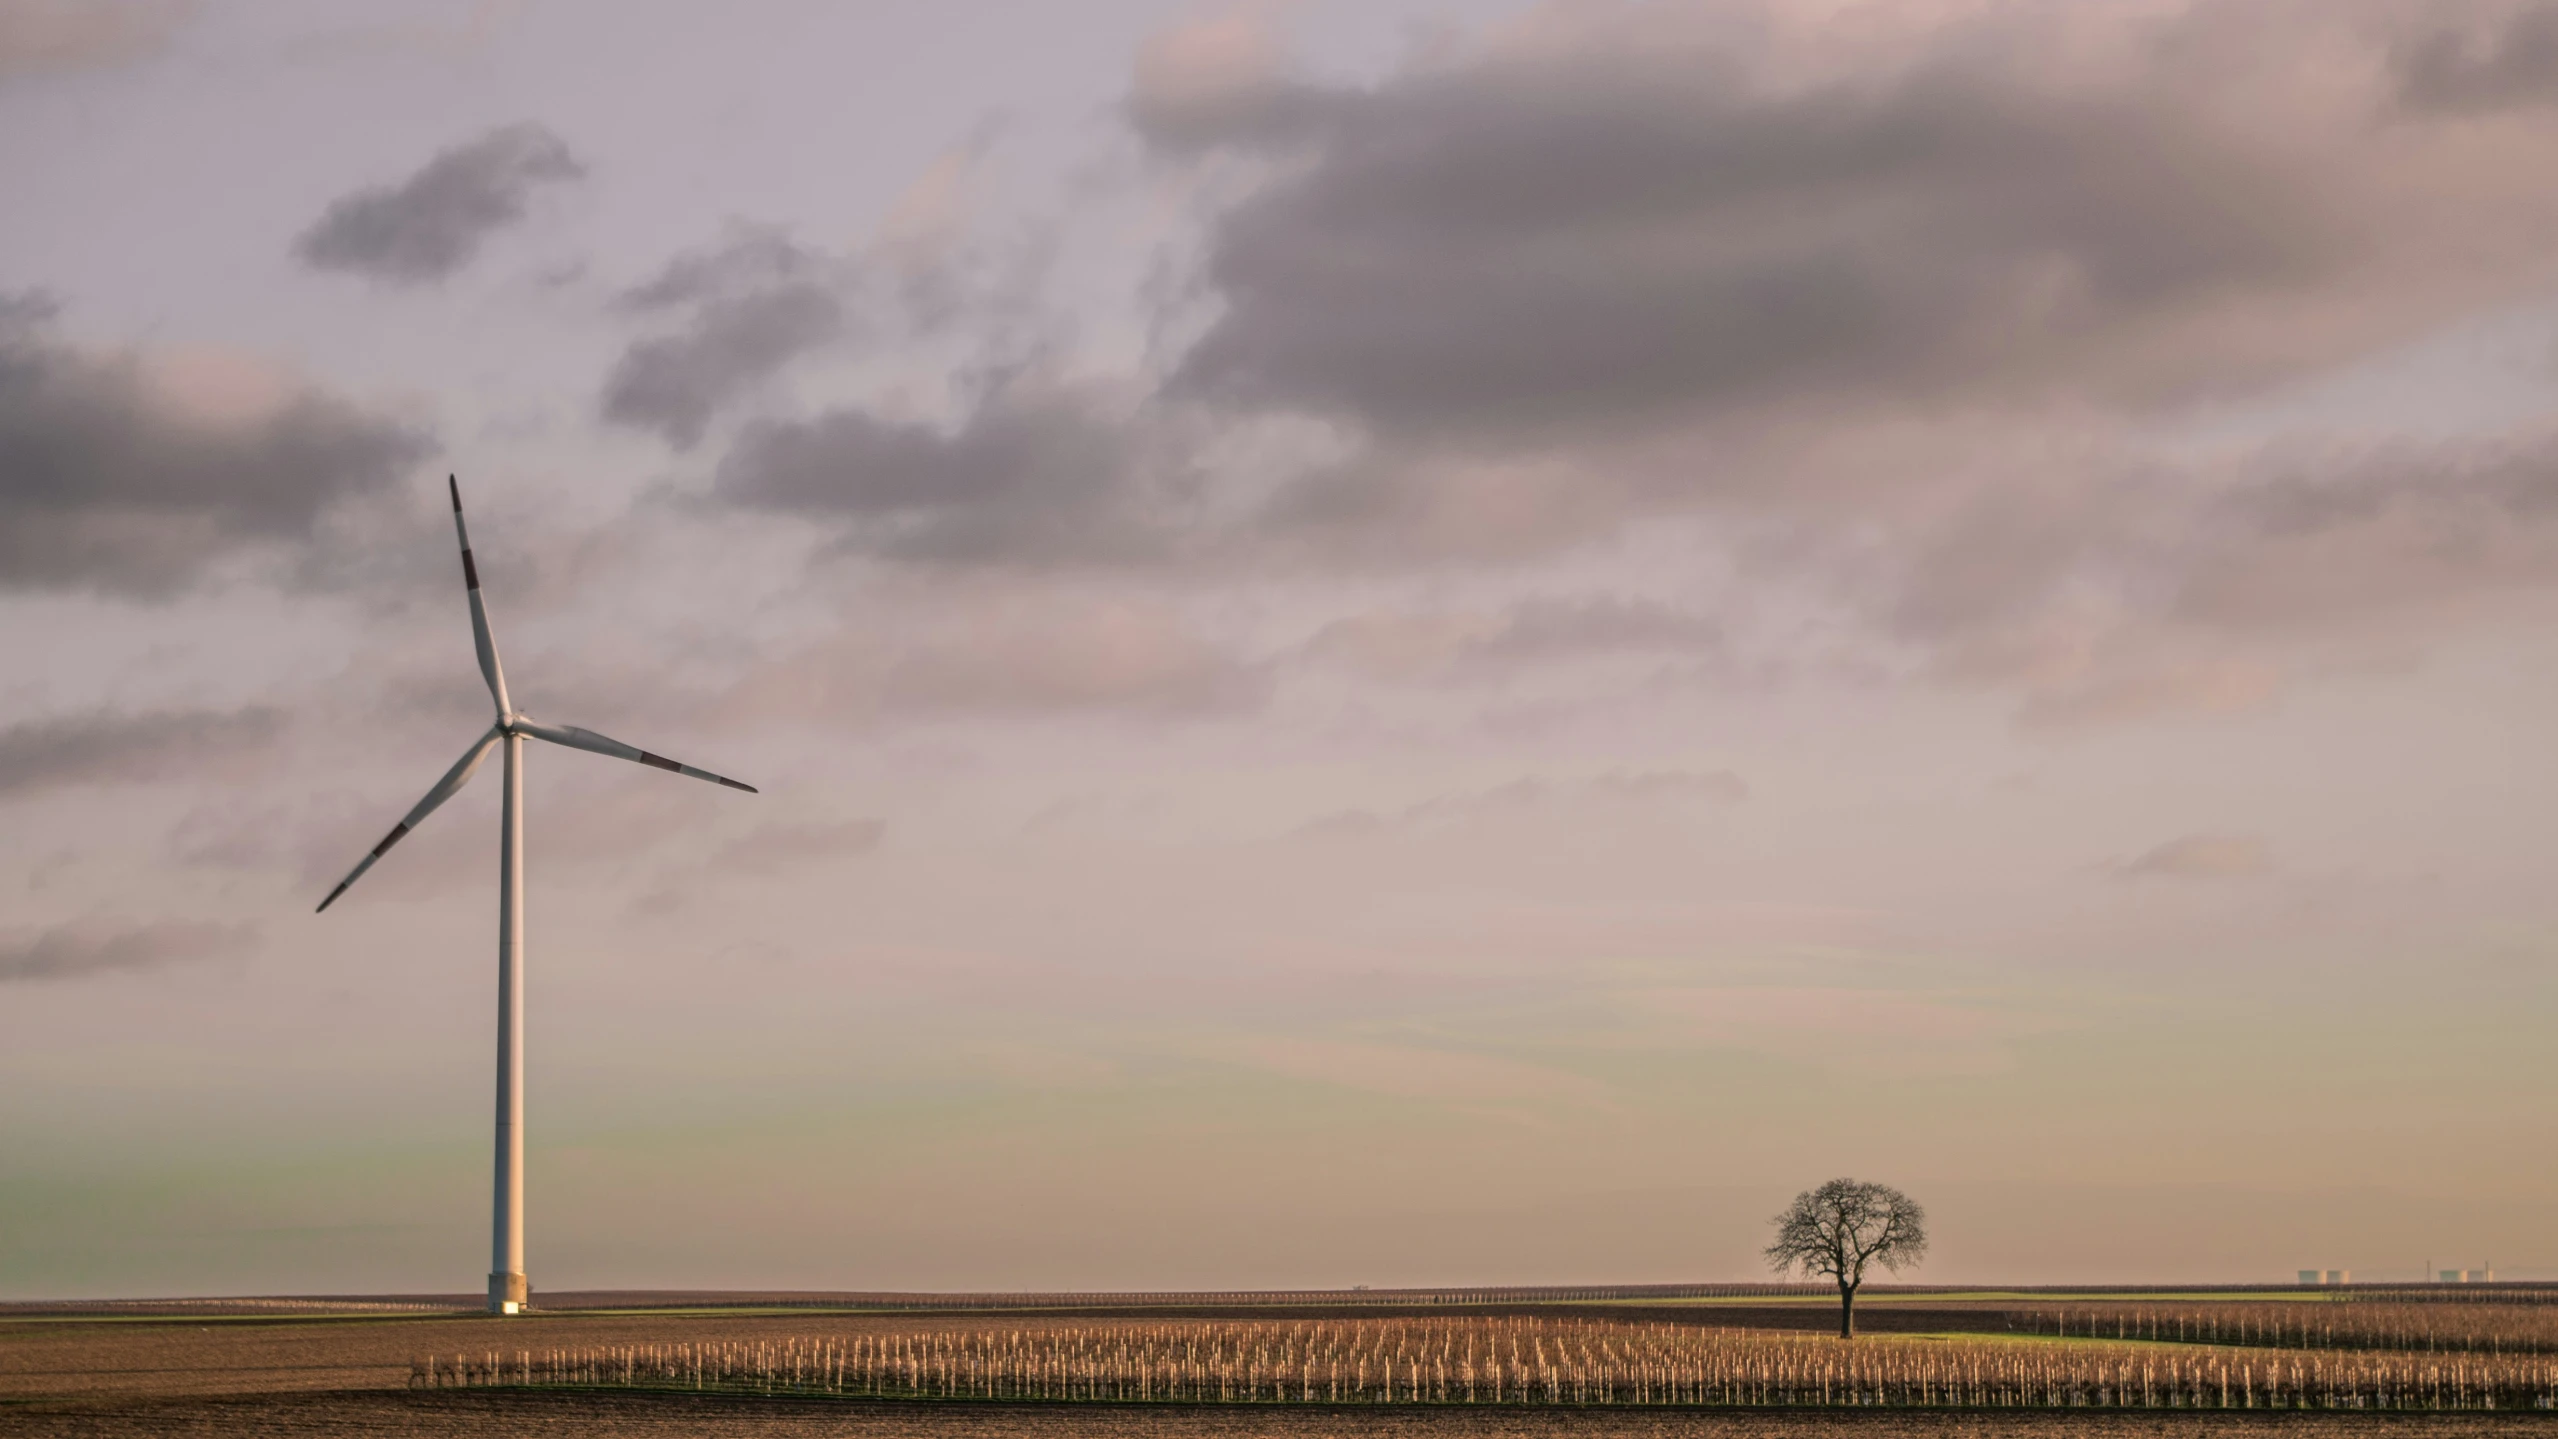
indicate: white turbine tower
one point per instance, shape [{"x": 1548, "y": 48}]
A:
[{"x": 508, "y": 1292}]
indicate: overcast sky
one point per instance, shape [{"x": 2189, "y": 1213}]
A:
[{"x": 1384, "y": 643}]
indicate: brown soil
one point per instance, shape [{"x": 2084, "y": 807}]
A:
[
  {"x": 436, "y": 1414},
  {"x": 139, "y": 1358}
]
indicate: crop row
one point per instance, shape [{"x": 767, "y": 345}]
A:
[
  {"x": 2362, "y": 1325},
  {"x": 1515, "y": 1362}
]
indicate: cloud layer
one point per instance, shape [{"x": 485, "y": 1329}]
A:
[
  {"x": 1035, "y": 473},
  {"x": 748, "y": 307},
  {"x": 115, "y": 748},
  {"x": 1909, "y": 313},
  {"x": 1907, "y": 318},
  {"x": 431, "y": 224},
  {"x": 122, "y": 476},
  {"x": 1619, "y": 215},
  {"x": 74, "y": 951}
]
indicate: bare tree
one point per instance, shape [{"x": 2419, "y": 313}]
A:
[{"x": 1843, "y": 1226}]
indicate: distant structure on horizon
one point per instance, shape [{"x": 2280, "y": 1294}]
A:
[
  {"x": 2326, "y": 1276},
  {"x": 510, "y": 1292},
  {"x": 2466, "y": 1276}
]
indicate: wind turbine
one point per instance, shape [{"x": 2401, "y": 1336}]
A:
[{"x": 508, "y": 1292}]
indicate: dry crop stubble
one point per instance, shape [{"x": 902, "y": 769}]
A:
[
  {"x": 1513, "y": 1362},
  {"x": 2367, "y": 1325}
]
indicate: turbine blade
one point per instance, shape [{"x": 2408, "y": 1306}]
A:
[
  {"x": 593, "y": 743},
  {"x": 445, "y": 788},
  {"x": 490, "y": 670}
]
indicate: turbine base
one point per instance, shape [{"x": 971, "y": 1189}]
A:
[{"x": 509, "y": 1294}]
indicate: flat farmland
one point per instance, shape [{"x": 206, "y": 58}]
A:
[
  {"x": 229, "y": 1354},
  {"x": 86, "y": 1358},
  {"x": 458, "y": 1413},
  {"x": 2094, "y": 1367}
]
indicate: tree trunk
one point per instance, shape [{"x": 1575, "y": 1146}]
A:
[{"x": 1847, "y": 1311}]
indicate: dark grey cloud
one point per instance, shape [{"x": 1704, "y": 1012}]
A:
[
  {"x": 2462, "y": 70},
  {"x": 748, "y": 258},
  {"x": 1615, "y": 231},
  {"x": 109, "y": 483},
  {"x": 1622, "y": 221},
  {"x": 674, "y": 384},
  {"x": 110, "y": 748},
  {"x": 74, "y": 951},
  {"x": 751, "y": 306},
  {"x": 432, "y": 223},
  {"x": 1032, "y": 475}
]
